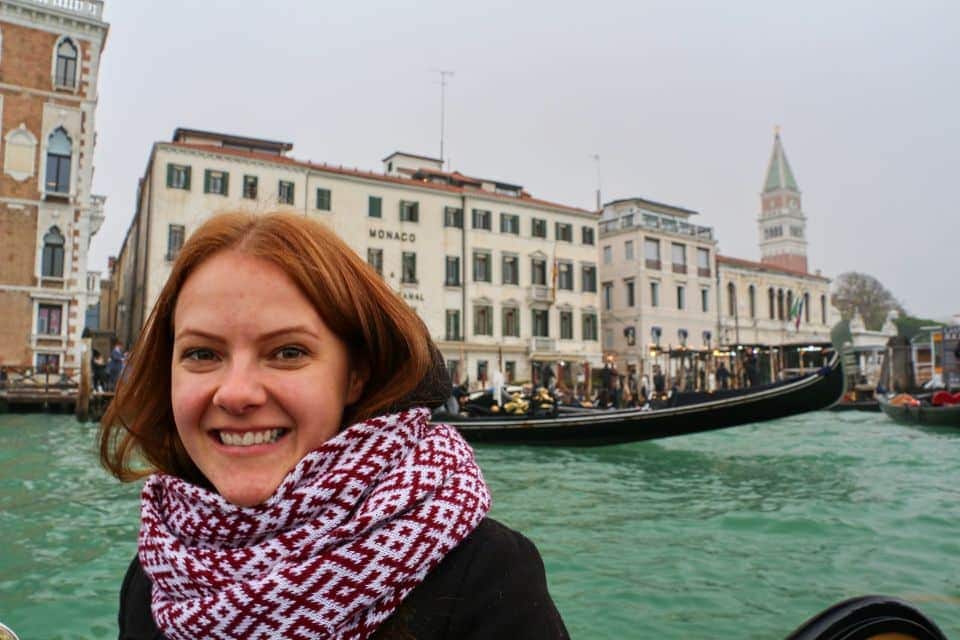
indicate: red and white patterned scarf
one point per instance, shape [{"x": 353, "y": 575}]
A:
[{"x": 351, "y": 530}]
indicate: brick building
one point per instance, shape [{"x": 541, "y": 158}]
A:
[{"x": 49, "y": 61}]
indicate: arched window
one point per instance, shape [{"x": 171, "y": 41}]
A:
[
  {"x": 823, "y": 309},
  {"x": 752, "y": 292},
  {"x": 59, "y": 151},
  {"x": 779, "y": 304},
  {"x": 770, "y": 295},
  {"x": 806, "y": 308},
  {"x": 65, "y": 74},
  {"x": 731, "y": 300},
  {"x": 52, "y": 266},
  {"x": 790, "y": 305}
]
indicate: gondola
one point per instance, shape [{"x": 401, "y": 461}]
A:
[
  {"x": 603, "y": 427},
  {"x": 922, "y": 414}
]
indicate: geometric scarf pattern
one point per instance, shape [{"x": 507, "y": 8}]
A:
[{"x": 351, "y": 530}]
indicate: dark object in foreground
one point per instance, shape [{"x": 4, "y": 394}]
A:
[
  {"x": 592, "y": 427},
  {"x": 869, "y": 617},
  {"x": 923, "y": 414}
]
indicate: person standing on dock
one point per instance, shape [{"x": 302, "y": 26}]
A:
[
  {"x": 723, "y": 376},
  {"x": 115, "y": 365},
  {"x": 280, "y": 397}
]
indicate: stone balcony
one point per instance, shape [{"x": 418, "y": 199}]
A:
[
  {"x": 540, "y": 293},
  {"x": 86, "y": 8},
  {"x": 540, "y": 345},
  {"x": 97, "y": 214}
]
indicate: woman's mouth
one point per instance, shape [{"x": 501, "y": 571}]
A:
[{"x": 249, "y": 438}]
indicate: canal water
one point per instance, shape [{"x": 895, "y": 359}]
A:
[{"x": 742, "y": 533}]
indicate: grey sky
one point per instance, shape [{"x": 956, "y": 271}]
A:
[{"x": 679, "y": 99}]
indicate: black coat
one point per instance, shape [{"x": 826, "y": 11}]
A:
[{"x": 491, "y": 586}]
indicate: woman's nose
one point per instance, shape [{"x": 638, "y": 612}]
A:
[{"x": 240, "y": 389}]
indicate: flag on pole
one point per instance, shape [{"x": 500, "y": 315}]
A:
[{"x": 795, "y": 312}]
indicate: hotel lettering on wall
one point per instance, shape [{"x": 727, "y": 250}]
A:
[{"x": 402, "y": 236}]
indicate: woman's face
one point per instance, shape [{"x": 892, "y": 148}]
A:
[{"x": 258, "y": 380}]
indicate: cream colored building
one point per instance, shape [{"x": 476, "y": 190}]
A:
[
  {"x": 50, "y": 53},
  {"x": 496, "y": 274},
  {"x": 657, "y": 283}
]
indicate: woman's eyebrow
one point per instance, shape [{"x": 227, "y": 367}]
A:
[{"x": 188, "y": 331}]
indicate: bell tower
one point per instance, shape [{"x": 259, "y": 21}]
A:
[{"x": 782, "y": 225}]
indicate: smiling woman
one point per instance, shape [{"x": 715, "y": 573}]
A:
[{"x": 278, "y": 399}]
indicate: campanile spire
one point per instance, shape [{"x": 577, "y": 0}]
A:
[{"x": 782, "y": 224}]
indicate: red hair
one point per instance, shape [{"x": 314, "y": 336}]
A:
[{"x": 378, "y": 328}]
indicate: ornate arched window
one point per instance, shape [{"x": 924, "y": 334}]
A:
[
  {"x": 752, "y": 293},
  {"x": 780, "y": 304},
  {"x": 806, "y": 308},
  {"x": 731, "y": 299},
  {"x": 65, "y": 72},
  {"x": 52, "y": 265},
  {"x": 771, "y": 296},
  {"x": 790, "y": 305},
  {"x": 59, "y": 153}
]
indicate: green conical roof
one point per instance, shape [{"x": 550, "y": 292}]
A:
[{"x": 779, "y": 175}]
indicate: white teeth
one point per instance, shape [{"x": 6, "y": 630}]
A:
[{"x": 249, "y": 438}]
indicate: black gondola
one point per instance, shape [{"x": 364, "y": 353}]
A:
[{"x": 597, "y": 427}]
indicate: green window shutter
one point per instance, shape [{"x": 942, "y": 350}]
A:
[
  {"x": 226, "y": 183},
  {"x": 186, "y": 184},
  {"x": 206, "y": 181},
  {"x": 169, "y": 175}
]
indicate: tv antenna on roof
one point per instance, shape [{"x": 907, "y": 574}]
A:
[{"x": 444, "y": 74}]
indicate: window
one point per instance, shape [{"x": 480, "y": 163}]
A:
[
  {"x": 324, "y": 198},
  {"x": 453, "y": 217},
  {"x": 48, "y": 362},
  {"x": 586, "y": 235},
  {"x": 511, "y": 322},
  {"x": 59, "y": 152},
  {"x": 770, "y": 296},
  {"x": 482, "y": 320},
  {"x": 481, "y": 266},
  {"x": 178, "y": 176},
  {"x": 565, "y": 275},
  {"x": 631, "y": 298},
  {"x": 705, "y": 300},
  {"x": 509, "y": 371},
  {"x": 482, "y": 370},
  {"x": 806, "y": 308},
  {"x": 216, "y": 182},
  {"x": 453, "y": 370},
  {"x": 510, "y": 269},
  {"x": 48, "y": 319},
  {"x": 628, "y": 250},
  {"x": 175, "y": 235},
  {"x": 374, "y": 207},
  {"x": 66, "y": 69},
  {"x": 654, "y": 294},
  {"x": 564, "y": 232},
  {"x": 588, "y": 278},
  {"x": 608, "y": 255},
  {"x": 651, "y": 253},
  {"x": 703, "y": 262},
  {"x": 375, "y": 260},
  {"x": 541, "y": 323},
  {"x": 250, "y": 187},
  {"x": 482, "y": 219},
  {"x": 538, "y": 271},
  {"x": 607, "y": 296},
  {"x": 452, "y": 278},
  {"x": 731, "y": 300},
  {"x": 679, "y": 253},
  {"x": 408, "y": 271},
  {"x": 681, "y": 297},
  {"x": 823, "y": 309},
  {"x": 752, "y": 293},
  {"x": 52, "y": 259},
  {"x": 538, "y": 228},
  {"x": 566, "y": 325},
  {"x": 285, "y": 194},
  {"x": 589, "y": 326},
  {"x": 409, "y": 211},
  {"x": 608, "y": 338},
  {"x": 510, "y": 223},
  {"x": 453, "y": 325}
]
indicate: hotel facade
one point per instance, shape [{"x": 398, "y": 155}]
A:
[
  {"x": 502, "y": 280},
  {"x": 50, "y": 54}
]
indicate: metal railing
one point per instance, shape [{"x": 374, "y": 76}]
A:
[{"x": 88, "y": 8}]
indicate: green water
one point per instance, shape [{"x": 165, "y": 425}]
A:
[{"x": 742, "y": 533}]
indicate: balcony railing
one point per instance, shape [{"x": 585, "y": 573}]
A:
[
  {"x": 87, "y": 8},
  {"x": 540, "y": 293},
  {"x": 679, "y": 268},
  {"x": 653, "y": 264},
  {"x": 661, "y": 223},
  {"x": 542, "y": 344},
  {"x": 703, "y": 272}
]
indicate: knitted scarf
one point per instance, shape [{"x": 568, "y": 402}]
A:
[{"x": 351, "y": 530}]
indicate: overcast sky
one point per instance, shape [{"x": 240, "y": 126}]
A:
[{"x": 678, "y": 98}]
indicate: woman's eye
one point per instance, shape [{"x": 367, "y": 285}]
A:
[
  {"x": 290, "y": 353},
  {"x": 198, "y": 354}
]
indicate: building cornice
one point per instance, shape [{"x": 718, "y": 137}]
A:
[{"x": 49, "y": 17}]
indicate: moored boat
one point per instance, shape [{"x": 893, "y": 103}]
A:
[
  {"x": 816, "y": 391},
  {"x": 922, "y": 413}
]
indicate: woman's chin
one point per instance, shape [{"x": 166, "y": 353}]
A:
[{"x": 247, "y": 495}]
